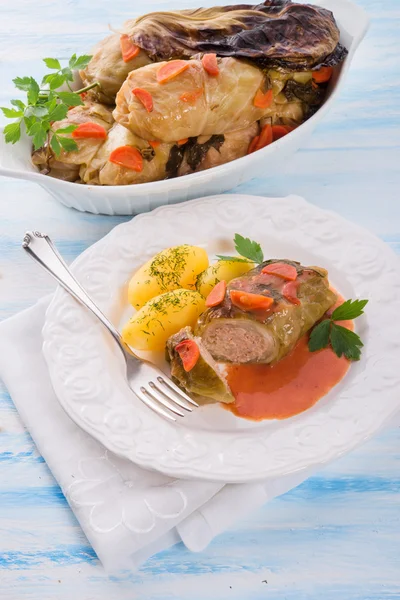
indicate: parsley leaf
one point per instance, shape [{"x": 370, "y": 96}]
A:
[
  {"x": 344, "y": 341},
  {"x": 351, "y": 309},
  {"x": 319, "y": 337},
  {"x": 52, "y": 63},
  {"x": 12, "y": 132},
  {"x": 233, "y": 258},
  {"x": 248, "y": 249},
  {"x": 11, "y": 113},
  {"x": 45, "y": 106}
]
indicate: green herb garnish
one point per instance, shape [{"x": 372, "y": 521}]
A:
[
  {"x": 44, "y": 105},
  {"x": 248, "y": 250},
  {"x": 343, "y": 341}
]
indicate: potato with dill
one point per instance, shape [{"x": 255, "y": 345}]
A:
[
  {"x": 171, "y": 269},
  {"x": 161, "y": 317},
  {"x": 222, "y": 270}
]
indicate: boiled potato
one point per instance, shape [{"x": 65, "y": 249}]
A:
[
  {"x": 161, "y": 317},
  {"x": 171, "y": 269},
  {"x": 221, "y": 270}
]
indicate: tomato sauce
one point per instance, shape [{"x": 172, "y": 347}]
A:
[{"x": 291, "y": 386}]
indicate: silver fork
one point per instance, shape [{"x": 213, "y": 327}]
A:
[{"x": 150, "y": 384}]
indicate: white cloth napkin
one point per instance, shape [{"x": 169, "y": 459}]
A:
[{"x": 126, "y": 512}]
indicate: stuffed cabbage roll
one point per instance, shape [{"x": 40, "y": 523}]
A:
[
  {"x": 67, "y": 165},
  {"x": 151, "y": 167},
  {"x": 265, "y": 312},
  {"x": 192, "y": 103},
  {"x": 206, "y": 152},
  {"x": 108, "y": 68},
  {"x": 206, "y": 381}
]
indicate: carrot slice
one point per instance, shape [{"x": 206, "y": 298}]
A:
[
  {"x": 282, "y": 270},
  {"x": 279, "y": 131},
  {"x": 145, "y": 98},
  {"x": 89, "y": 130},
  {"x": 154, "y": 143},
  {"x": 189, "y": 353},
  {"x": 289, "y": 291},
  {"x": 191, "y": 97},
  {"x": 216, "y": 295},
  {"x": 171, "y": 69},
  {"x": 247, "y": 301},
  {"x": 322, "y": 75},
  {"x": 265, "y": 137},
  {"x": 127, "y": 156},
  {"x": 129, "y": 50},
  {"x": 182, "y": 141},
  {"x": 253, "y": 144},
  {"x": 210, "y": 64},
  {"x": 263, "y": 100}
]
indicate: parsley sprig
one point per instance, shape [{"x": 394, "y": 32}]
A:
[
  {"x": 343, "y": 341},
  {"x": 45, "y": 104},
  {"x": 248, "y": 250}
]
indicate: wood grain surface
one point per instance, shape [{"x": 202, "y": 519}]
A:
[{"x": 335, "y": 536}]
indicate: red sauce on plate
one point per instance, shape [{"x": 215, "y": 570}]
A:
[{"x": 288, "y": 388}]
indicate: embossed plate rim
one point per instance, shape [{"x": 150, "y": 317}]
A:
[{"x": 104, "y": 408}]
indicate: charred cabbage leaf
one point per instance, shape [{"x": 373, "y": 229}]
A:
[
  {"x": 275, "y": 33},
  {"x": 205, "y": 382}
]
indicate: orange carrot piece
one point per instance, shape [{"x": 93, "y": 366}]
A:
[
  {"x": 248, "y": 302},
  {"x": 216, "y": 295},
  {"x": 282, "y": 270},
  {"x": 289, "y": 291},
  {"x": 191, "y": 97},
  {"x": 171, "y": 69},
  {"x": 182, "y": 141},
  {"x": 253, "y": 144},
  {"x": 89, "y": 130},
  {"x": 322, "y": 75},
  {"x": 210, "y": 64},
  {"x": 145, "y": 98},
  {"x": 279, "y": 131},
  {"x": 265, "y": 137},
  {"x": 128, "y": 157},
  {"x": 129, "y": 50},
  {"x": 189, "y": 353},
  {"x": 154, "y": 143},
  {"x": 263, "y": 100}
]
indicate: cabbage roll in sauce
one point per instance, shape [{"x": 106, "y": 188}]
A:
[
  {"x": 108, "y": 68},
  {"x": 265, "y": 312},
  {"x": 191, "y": 103},
  {"x": 151, "y": 166},
  {"x": 67, "y": 165}
]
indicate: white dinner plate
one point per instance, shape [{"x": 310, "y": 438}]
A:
[{"x": 88, "y": 375}]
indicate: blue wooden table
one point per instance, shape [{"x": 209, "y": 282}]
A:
[{"x": 338, "y": 534}]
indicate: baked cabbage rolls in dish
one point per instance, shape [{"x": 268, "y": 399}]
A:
[
  {"x": 192, "y": 102},
  {"x": 109, "y": 69},
  {"x": 150, "y": 165},
  {"x": 265, "y": 312},
  {"x": 67, "y": 165},
  {"x": 207, "y": 151},
  {"x": 204, "y": 379}
]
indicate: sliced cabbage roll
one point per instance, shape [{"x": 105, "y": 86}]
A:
[
  {"x": 109, "y": 70},
  {"x": 205, "y": 151},
  {"x": 67, "y": 165},
  {"x": 101, "y": 171},
  {"x": 264, "y": 314},
  {"x": 206, "y": 381},
  {"x": 192, "y": 103}
]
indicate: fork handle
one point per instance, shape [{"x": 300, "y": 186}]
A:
[{"x": 40, "y": 247}]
